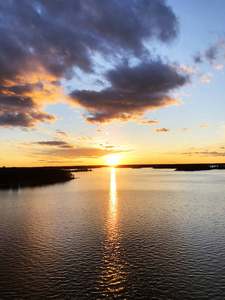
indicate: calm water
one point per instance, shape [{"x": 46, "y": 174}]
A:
[{"x": 115, "y": 233}]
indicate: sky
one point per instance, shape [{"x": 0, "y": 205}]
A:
[{"x": 111, "y": 82}]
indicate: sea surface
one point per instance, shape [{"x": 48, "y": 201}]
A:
[{"x": 115, "y": 234}]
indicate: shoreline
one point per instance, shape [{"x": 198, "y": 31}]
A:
[{"x": 13, "y": 178}]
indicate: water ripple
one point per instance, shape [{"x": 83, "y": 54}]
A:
[{"x": 158, "y": 242}]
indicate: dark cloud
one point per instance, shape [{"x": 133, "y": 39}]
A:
[
  {"x": 59, "y": 144},
  {"x": 23, "y": 89},
  {"x": 211, "y": 54},
  {"x": 60, "y": 36},
  {"x": 25, "y": 119},
  {"x": 198, "y": 58},
  {"x": 133, "y": 91},
  {"x": 21, "y": 111},
  {"x": 54, "y": 143},
  {"x": 18, "y": 109},
  {"x": 15, "y": 103},
  {"x": 42, "y": 41}
]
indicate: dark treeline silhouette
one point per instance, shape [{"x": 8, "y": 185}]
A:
[
  {"x": 177, "y": 167},
  {"x": 20, "y": 177},
  {"x": 180, "y": 167},
  {"x": 196, "y": 167}
]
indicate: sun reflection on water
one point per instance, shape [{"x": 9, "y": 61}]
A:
[
  {"x": 112, "y": 211},
  {"x": 113, "y": 273}
]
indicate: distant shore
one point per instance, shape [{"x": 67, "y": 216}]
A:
[
  {"x": 25, "y": 177},
  {"x": 180, "y": 167},
  {"x": 176, "y": 167}
]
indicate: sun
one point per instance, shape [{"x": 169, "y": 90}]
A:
[{"x": 112, "y": 160}]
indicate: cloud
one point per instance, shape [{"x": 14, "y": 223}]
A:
[
  {"x": 56, "y": 37},
  {"x": 218, "y": 67},
  {"x": 60, "y": 161},
  {"x": 164, "y": 130},
  {"x": 205, "y": 77},
  {"x": 25, "y": 119},
  {"x": 211, "y": 54},
  {"x": 133, "y": 91},
  {"x": 205, "y": 153},
  {"x": 19, "y": 105},
  {"x": 84, "y": 138},
  {"x": 185, "y": 129},
  {"x": 188, "y": 69},
  {"x": 203, "y": 126},
  {"x": 42, "y": 42},
  {"x": 161, "y": 130},
  {"x": 99, "y": 131},
  {"x": 79, "y": 153},
  {"x": 198, "y": 58},
  {"x": 59, "y": 144},
  {"x": 61, "y": 133},
  {"x": 149, "y": 122}
]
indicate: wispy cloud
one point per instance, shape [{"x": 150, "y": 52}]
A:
[
  {"x": 206, "y": 77},
  {"x": 211, "y": 54},
  {"x": 84, "y": 138},
  {"x": 54, "y": 143},
  {"x": 149, "y": 122},
  {"x": 58, "y": 144},
  {"x": 61, "y": 133},
  {"x": 165, "y": 130},
  {"x": 203, "y": 126},
  {"x": 219, "y": 66},
  {"x": 204, "y": 153},
  {"x": 161, "y": 130},
  {"x": 189, "y": 69}
]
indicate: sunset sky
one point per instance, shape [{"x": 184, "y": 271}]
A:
[{"x": 142, "y": 80}]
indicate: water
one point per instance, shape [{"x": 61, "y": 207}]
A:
[{"x": 115, "y": 233}]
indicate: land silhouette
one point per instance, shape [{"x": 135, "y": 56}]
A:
[{"x": 23, "y": 177}]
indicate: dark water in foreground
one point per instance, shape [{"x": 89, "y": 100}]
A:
[{"x": 116, "y": 233}]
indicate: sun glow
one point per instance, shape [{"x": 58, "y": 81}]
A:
[{"x": 112, "y": 160}]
